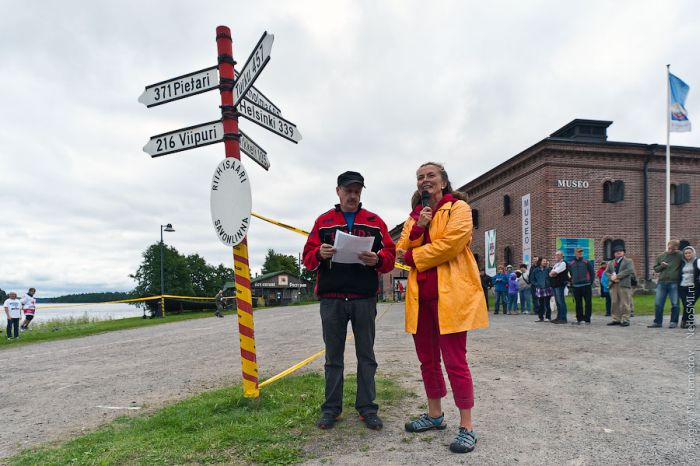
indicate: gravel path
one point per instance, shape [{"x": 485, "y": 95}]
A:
[{"x": 545, "y": 394}]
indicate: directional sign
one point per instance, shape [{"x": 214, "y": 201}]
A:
[
  {"x": 254, "y": 151},
  {"x": 260, "y": 100},
  {"x": 180, "y": 87},
  {"x": 185, "y": 138},
  {"x": 262, "y": 117},
  {"x": 253, "y": 66}
]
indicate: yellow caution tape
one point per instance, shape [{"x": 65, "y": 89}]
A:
[
  {"x": 306, "y": 233},
  {"x": 301, "y": 364},
  {"x": 134, "y": 300},
  {"x": 280, "y": 224}
]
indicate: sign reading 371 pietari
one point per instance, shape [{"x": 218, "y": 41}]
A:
[
  {"x": 180, "y": 87},
  {"x": 231, "y": 201}
]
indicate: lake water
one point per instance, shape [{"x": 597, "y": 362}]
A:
[{"x": 52, "y": 311}]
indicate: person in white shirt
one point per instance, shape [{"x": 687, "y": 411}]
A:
[
  {"x": 13, "y": 309},
  {"x": 559, "y": 276},
  {"x": 28, "y": 307}
]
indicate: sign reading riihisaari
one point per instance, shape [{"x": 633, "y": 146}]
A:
[{"x": 231, "y": 201}]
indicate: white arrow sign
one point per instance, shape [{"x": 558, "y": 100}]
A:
[
  {"x": 254, "y": 151},
  {"x": 260, "y": 100},
  {"x": 253, "y": 66},
  {"x": 180, "y": 87},
  {"x": 185, "y": 138},
  {"x": 262, "y": 117}
]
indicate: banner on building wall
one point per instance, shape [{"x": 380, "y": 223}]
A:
[
  {"x": 527, "y": 229},
  {"x": 490, "y": 252},
  {"x": 569, "y": 245}
]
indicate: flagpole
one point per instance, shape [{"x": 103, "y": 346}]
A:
[{"x": 668, "y": 155}]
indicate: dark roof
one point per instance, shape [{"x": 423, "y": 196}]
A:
[
  {"x": 272, "y": 274},
  {"x": 583, "y": 130}
]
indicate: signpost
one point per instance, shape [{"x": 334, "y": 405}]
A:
[
  {"x": 231, "y": 219},
  {"x": 267, "y": 120},
  {"x": 254, "y": 151},
  {"x": 185, "y": 138},
  {"x": 254, "y": 65},
  {"x": 178, "y": 88},
  {"x": 230, "y": 200}
]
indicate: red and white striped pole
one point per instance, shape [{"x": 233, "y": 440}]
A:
[{"x": 232, "y": 146}]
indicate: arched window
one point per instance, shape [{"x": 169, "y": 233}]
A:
[
  {"x": 508, "y": 255},
  {"x": 506, "y": 205},
  {"x": 475, "y": 218},
  {"x": 607, "y": 250},
  {"x": 614, "y": 191}
]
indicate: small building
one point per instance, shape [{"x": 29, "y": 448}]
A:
[{"x": 279, "y": 288}]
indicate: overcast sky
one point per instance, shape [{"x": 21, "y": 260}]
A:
[{"x": 374, "y": 86}]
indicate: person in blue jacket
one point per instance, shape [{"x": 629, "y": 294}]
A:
[
  {"x": 512, "y": 293},
  {"x": 500, "y": 287}
]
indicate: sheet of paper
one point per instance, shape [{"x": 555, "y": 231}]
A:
[{"x": 349, "y": 247}]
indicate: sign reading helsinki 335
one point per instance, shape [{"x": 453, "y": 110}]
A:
[{"x": 231, "y": 201}]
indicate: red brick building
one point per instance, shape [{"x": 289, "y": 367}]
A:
[{"x": 584, "y": 190}]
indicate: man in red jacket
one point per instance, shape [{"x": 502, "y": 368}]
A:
[{"x": 348, "y": 293}]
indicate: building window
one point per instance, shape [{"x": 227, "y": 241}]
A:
[
  {"x": 614, "y": 191},
  {"x": 475, "y": 218},
  {"x": 506, "y": 205},
  {"x": 508, "y": 255},
  {"x": 680, "y": 193},
  {"x": 607, "y": 250}
]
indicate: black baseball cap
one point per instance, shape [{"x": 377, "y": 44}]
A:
[{"x": 348, "y": 178}]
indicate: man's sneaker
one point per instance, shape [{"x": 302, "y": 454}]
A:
[
  {"x": 654, "y": 325},
  {"x": 539, "y": 320},
  {"x": 464, "y": 442},
  {"x": 327, "y": 421},
  {"x": 672, "y": 325},
  {"x": 372, "y": 421},
  {"x": 614, "y": 322},
  {"x": 625, "y": 324},
  {"x": 425, "y": 423},
  {"x": 557, "y": 321}
]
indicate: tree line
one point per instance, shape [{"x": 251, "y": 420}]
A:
[{"x": 184, "y": 275}]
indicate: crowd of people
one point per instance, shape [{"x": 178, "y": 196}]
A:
[
  {"x": 545, "y": 285},
  {"x": 15, "y": 308}
]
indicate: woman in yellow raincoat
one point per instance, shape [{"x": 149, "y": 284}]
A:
[{"x": 444, "y": 298}]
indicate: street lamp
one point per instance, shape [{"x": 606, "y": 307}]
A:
[{"x": 168, "y": 228}]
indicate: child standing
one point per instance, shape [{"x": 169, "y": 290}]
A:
[
  {"x": 500, "y": 287},
  {"x": 512, "y": 293},
  {"x": 13, "y": 308}
]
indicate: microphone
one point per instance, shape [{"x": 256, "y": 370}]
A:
[{"x": 424, "y": 198}]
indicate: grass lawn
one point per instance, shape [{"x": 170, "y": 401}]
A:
[
  {"x": 212, "y": 428},
  {"x": 60, "y": 329},
  {"x": 643, "y": 305}
]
